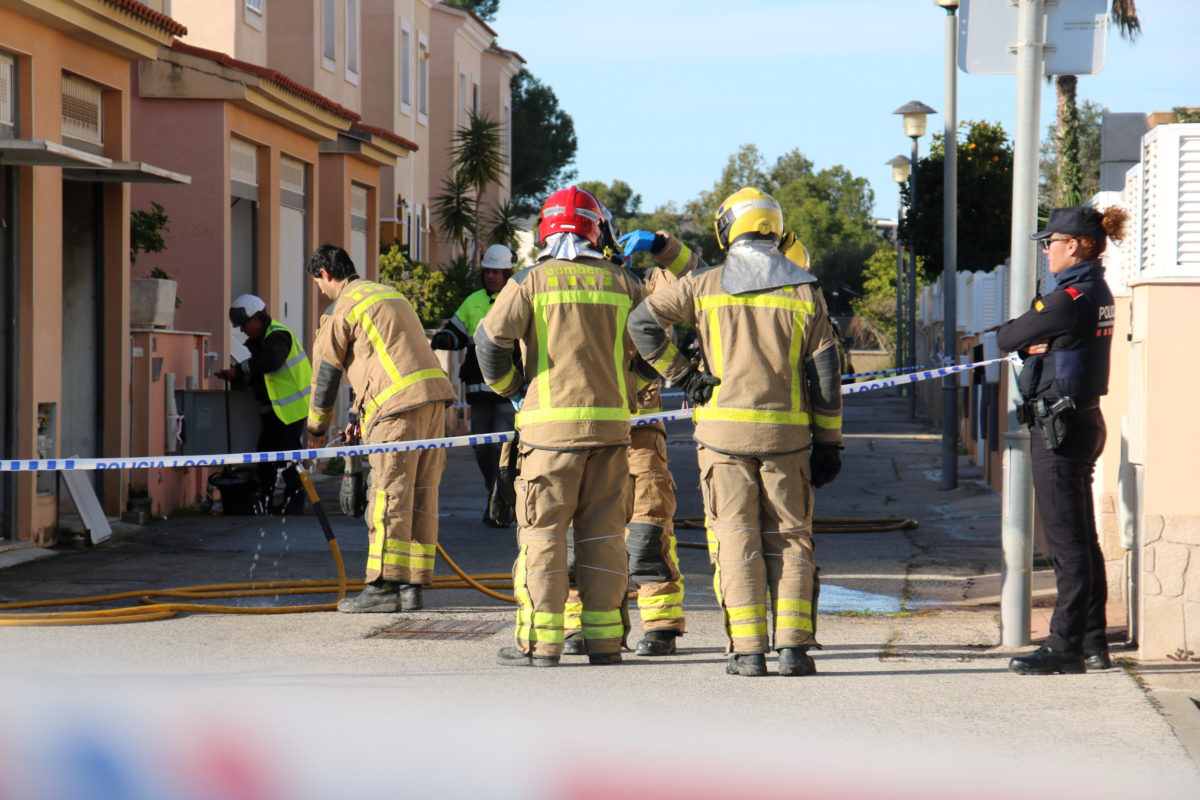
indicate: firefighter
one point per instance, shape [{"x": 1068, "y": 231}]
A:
[
  {"x": 279, "y": 374},
  {"x": 768, "y": 424},
  {"x": 1065, "y": 342},
  {"x": 489, "y": 411},
  {"x": 371, "y": 333},
  {"x": 649, "y": 535},
  {"x": 573, "y": 408}
]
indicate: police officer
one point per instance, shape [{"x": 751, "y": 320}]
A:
[{"x": 1065, "y": 342}]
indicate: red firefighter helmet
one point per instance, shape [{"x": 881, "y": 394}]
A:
[{"x": 571, "y": 210}]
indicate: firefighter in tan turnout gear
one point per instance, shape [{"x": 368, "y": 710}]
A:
[
  {"x": 569, "y": 311},
  {"x": 371, "y": 333},
  {"x": 768, "y": 424},
  {"x": 650, "y": 534}
]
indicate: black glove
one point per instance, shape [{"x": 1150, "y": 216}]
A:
[
  {"x": 502, "y": 504},
  {"x": 442, "y": 340},
  {"x": 698, "y": 385},
  {"x": 353, "y": 495},
  {"x": 824, "y": 463}
]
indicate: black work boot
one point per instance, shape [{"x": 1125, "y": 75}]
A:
[
  {"x": 410, "y": 597},
  {"x": 795, "y": 661},
  {"x": 380, "y": 597},
  {"x": 1097, "y": 660},
  {"x": 1047, "y": 661},
  {"x": 660, "y": 642},
  {"x": 512, "y": 657},
  {"x": 748, "y": 665},
  {"x": 603, "y": 659},
  {"x": 574, "y": 644}
]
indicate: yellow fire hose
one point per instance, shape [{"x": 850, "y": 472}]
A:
[{"x": 487, "y": 584}]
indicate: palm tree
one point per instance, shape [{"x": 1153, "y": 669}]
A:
[
  {"x": 478, "y": 161},
  {"x": 500, "y": 225},
  {"x": 1070, "y": 175},
  {"x": 453, "y": 210}
]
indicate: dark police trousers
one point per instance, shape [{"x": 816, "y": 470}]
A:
[{"x": 1062, "y": 481}]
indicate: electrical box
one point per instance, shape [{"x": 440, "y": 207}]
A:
[
  {"x": 47, "y": 444},
  {"x": 204, "y": 421}
]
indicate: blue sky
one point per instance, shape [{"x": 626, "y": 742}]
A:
[{"x": 663, "y": 91}]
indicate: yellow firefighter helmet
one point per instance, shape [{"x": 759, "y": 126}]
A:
[{"x": 747, "y": 211}]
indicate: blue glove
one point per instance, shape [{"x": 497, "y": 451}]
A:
[
  {"x": 517, "y": 398},
  {"x": 634, "y": 241}
]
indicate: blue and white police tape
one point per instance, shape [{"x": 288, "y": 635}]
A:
[
  {"x": 885, "y": 371},
  {"x": 243, "y": 459}
]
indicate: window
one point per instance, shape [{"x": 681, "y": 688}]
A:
[
  {"x": 462, "y": 99},
  {"x": 506, "y": 133},
  {"x": 422, "y": 77},
  {"x": 253, "y": 15},
  {"x": 475, "y": 97},
  {"x": 82, "y": 115},
  {"x": 352, "y": 40},
  {"x": 7, "y": 92},
  {"x": 405, "y": 65},
  {"x": 329, "y": 32}
]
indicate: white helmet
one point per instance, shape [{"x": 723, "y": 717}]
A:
[
  {"x": 498, "y": 257},
  {"x": 245, "y": 306}
]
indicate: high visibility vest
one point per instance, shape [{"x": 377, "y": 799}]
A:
[{"x": 288, "y": 387}]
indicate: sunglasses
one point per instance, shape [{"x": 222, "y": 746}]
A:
[{"x": 1046, "y": 244}]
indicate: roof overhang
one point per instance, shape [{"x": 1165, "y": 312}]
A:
[
  {"x": 375, "y": 150},
  {"x": 80, "y": 165}
]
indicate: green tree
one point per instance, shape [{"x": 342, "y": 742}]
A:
[
  {"x": 453, "y": 211},
  {"x": 874, "y": 323},
  {"x": 620, "y": 198},
  {"x": 485, "y": 9},
  {"x": 984, "y": 200},
  {"x": 1050, "y": 188},
  {"x": 1069, "y": 179},
  {"x": 543, "y": 142},
  {"x": 500, "y": 225},
  {"x": 478, "y": 161},
  {"x": 146, "y": 230}
]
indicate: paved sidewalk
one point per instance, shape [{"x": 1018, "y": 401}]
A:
[{"x": 913, "y": 697}]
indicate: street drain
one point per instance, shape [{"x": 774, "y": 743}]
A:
[{"x": 441, "y": 629}]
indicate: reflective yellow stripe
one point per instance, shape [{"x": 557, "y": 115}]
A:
[
  {"x": 718, "y": 365},
  {"x": 584, "y": 413},
  {"x": 546, "y": 413},
  {"x": 752, "y": 629},
  {"x": 504, "y": 383},
  {"x": 375, "y": 553},
  {"x": 665, "y": 359},
  {"x": 647, "y": 412},
  {"x": 318, "y": 419},
  {"x": 747, "y": 612},
  {"x": 760, "y": 300},
  {"x": 410, "y": 554},
  {"x": 794, "y": 359},
  {"x": 524, "y": 601},
  {"x": 751, "y": 415},
  {"x": 680, "y": 261},
  {"x": 403, "y": 383},
  {"x": 828, "y": 422},
  {"x": 793, "y": 604},
  {"x": 747, "y": 620},
  {"x": 547, "y": 627},
  {"x": 662, "y": 606},
  {"x": 602, "y": 624},
  {"x": 793, "y": 623},
  {"x": 571, "y": 616}
]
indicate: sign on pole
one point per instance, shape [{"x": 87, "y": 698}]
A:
[{"x": 1075, "y": 34}]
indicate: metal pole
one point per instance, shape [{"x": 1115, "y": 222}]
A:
[
  {"x": 1016, "y": 531},
  {"x": 899, "y": 285},
  {"x": 950, "y": 256},
  {"x": 911, "y": 356}
]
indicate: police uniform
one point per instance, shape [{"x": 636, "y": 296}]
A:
[{"x": 1076, "y": 319}]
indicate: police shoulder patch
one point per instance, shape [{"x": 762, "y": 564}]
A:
[{"x": 1072, "y": 292}]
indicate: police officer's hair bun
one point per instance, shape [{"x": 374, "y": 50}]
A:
[{"x": 1113, "y": 222}]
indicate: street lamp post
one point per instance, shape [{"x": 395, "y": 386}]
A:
[
  {"x": 950, "y": 248},
  {"x": 900, "y": 167},
  {"x": 914, "y": 114}
]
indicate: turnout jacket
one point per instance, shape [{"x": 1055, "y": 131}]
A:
[
  {"x": 371, "y": 332},
  {"x": 1077, "y": 321},
  {"x": 774, "y": 351},
  {"x": 570, "y": 318}
]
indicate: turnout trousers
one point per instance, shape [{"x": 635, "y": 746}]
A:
[
  {"x": 586, "y": 490},
  {"x": 649, "y": 537},
  {"x": 759, "y": 521},
  {"x": 1062, "y": 481},
  {"x": 402, "y": 512}
]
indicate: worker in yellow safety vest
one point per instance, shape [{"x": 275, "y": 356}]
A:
[
  {"x": 768, "y": 424},
  {"x": 569, "y": 312},
  {"x": 371, "y": 333},
  {"x": 278, "y": 372}
]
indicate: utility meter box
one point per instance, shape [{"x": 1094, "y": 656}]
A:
[{"x": 205, "y": 422}]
